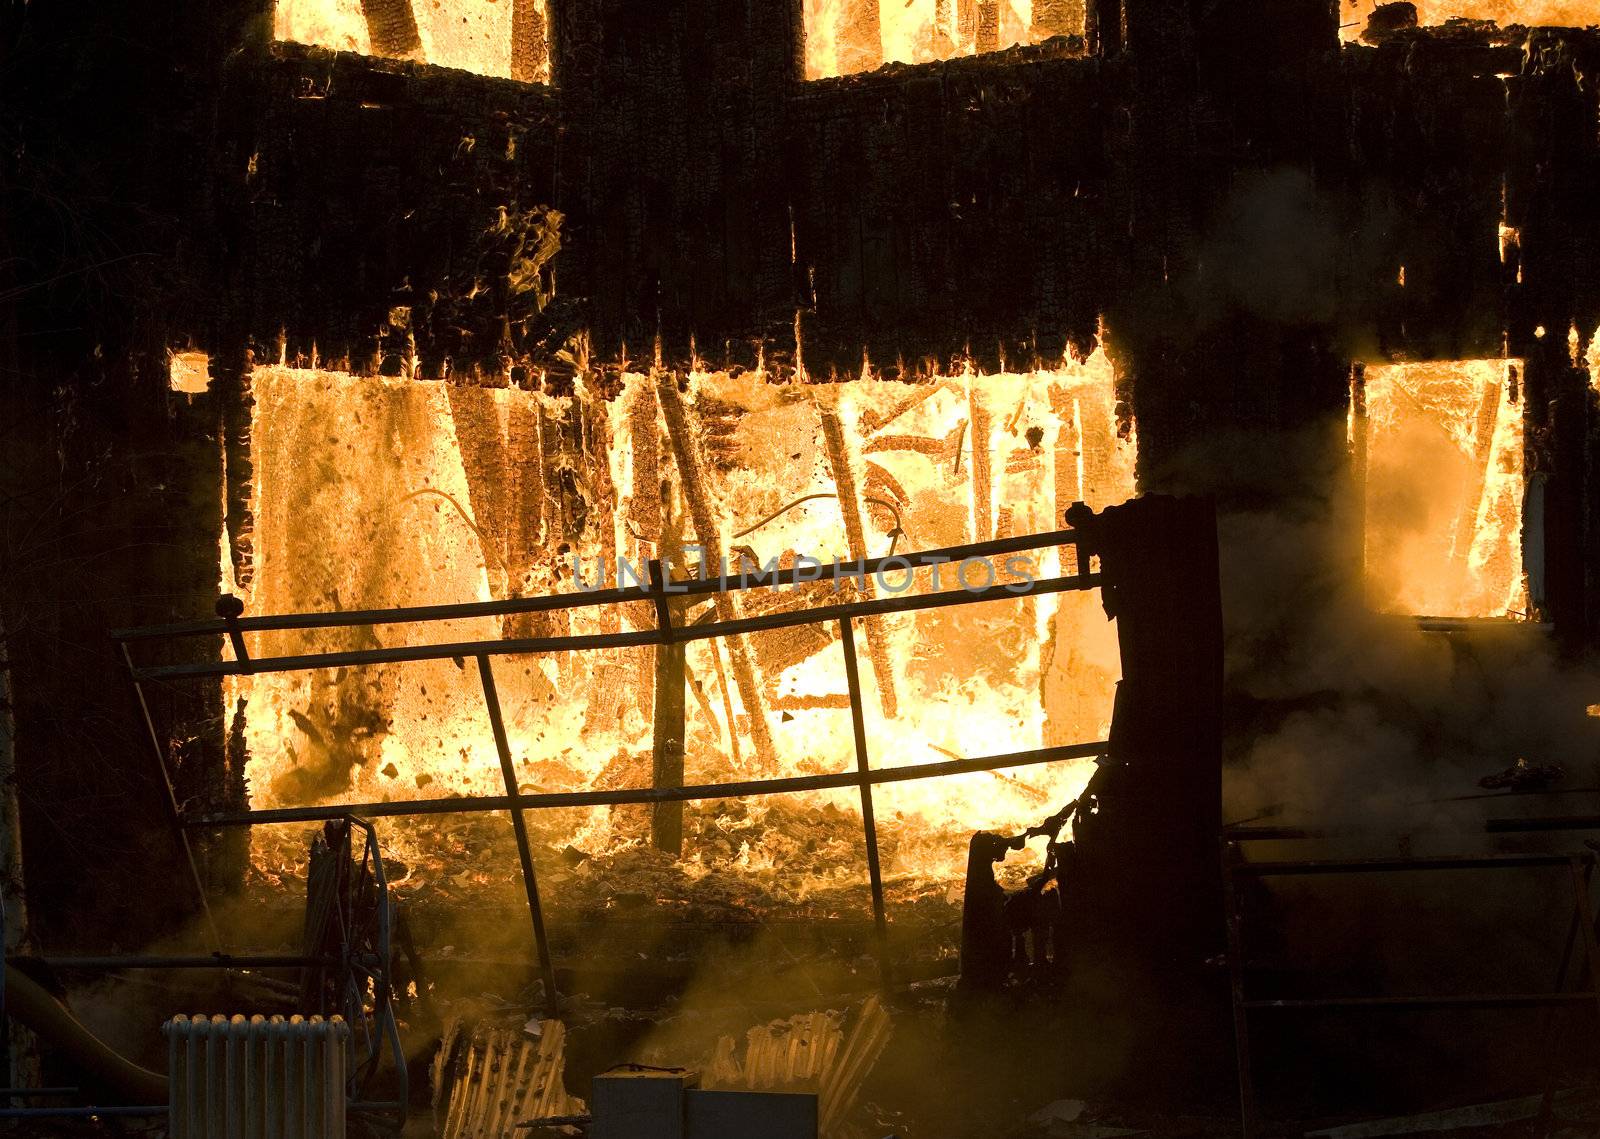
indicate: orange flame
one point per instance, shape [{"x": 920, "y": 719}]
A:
[
  {"x": 1435, "y": 13},
  {"x": 1444, "y": 488},
  {"x": 371, "y": 492},
  {"x": 846, "y": 36},
  {"x": 473, "y": 35}
]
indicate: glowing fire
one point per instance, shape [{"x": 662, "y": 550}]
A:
[
  {"x": 1434, "y": 13},
  {"x": 846, "y": 36},
  {"x": 473, "y": 35},
  {"x": 377, "y": 492},
  {"x": 1444, "y": 487}
]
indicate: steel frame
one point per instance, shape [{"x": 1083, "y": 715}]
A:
[
  {"x": 360, "y": 968},
  {"x": 1582, "y": 926},
  {"x": 233, "y": 627}
]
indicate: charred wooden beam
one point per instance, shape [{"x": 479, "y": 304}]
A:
[
  {"x": 1056, "y": 18},
  {"x": 524, "y": 455},
  {"x": 486, "y": 464},
  {"x": 844, "y": 480},
  {"x": 860, "y": 37},
  {"x": 530, "y": 42},
  {"x": 988, "y": 38},
  {"x": 966, "y": 20},
  {"x": 1104, "y": 26},
  {"x": 1359, "y": 442},
  {"x": 710, "y": 539},
  {"x": 666, "y": 752},
  {"x": 231, "y": 378},
  {"x": 1482, "y": 449},
  {"x": 596, "y": 448},
  {"x": 982, "y": 470},
  {"x": 392, "y": 28}
]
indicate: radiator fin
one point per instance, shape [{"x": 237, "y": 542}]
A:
[{"x": 257, "y": 1078}]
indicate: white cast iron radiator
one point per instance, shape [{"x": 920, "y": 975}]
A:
[{"x": 258, "y": 1078}]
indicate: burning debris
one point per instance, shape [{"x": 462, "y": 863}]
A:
[
  {"x": 632, "y": 442},
  {"x": 380, "y": 491},
  {"x": 1444, "y": 460},
  {"x": 1524, "y": 776},
  {"x": 1375, "y": 19},
  {"x": 507, "y": 38},
  {"x": 848, "y": 36}
]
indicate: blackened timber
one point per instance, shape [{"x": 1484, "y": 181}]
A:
[
  {"x": 1056, "y": 18},
  {"x": 860, "y": 37},
  {"x": 690, "y": 472},
  {"x": 231, "y": 379},
  {"x": 988, "y": 38},
  {"x": 1552, "y": 153},
  {"x": 950, "y": 211},
  {"x": 666, "y": 755},
  {"x": 1103, "y": 25},
  {"x": 982, "y": 476},
  {"x": 1428, "y": 138},
  {"x": 530, "y": 47},
  {"x": 844, "y": 481},
  {"x": 392, "y": 28},
  {"x": 441, "y": 194}
]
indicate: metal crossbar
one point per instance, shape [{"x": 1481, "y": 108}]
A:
[
  {"x": 694, "y": 793},
  {"x": 234, "y": 625},
  {"x": 581, "y": 599},
  {"x": 1582, "y": 925}
]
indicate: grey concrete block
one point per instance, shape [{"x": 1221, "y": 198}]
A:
[{"x": 630, "y": 1104}]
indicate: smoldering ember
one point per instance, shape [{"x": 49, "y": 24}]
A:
[{"x": 845, "y": 569}]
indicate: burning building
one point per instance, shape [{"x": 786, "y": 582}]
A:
[{"x": 698, "y": 490}]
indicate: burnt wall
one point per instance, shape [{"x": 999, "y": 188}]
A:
[
  {"x": 950, "y": 210},
  {"x": 1231, "y": 191},
  {"x": 1428, "y": 142},
  {"x": 109, "y": 482},
  {"x": 380, "y": 209},
  {"x": 996, "y": 206},
  {"x": 1552, "y": 166},
  {"x": 673, "y": 175}
]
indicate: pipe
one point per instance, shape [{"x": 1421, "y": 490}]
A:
[{"x": 34, "y": 1005}]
